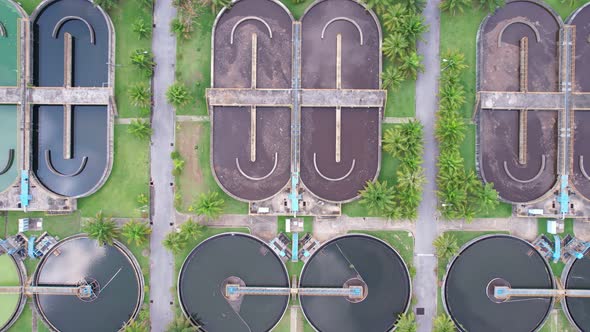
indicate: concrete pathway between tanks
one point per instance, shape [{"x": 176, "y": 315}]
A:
[
  {"x": 425, "y": 285},
  {"x": 163, "y": 123}
]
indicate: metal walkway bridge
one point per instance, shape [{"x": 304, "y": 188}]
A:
[
  {"x": 353, "y": 292},
  {"x": 83, "y": 291},
  {"x": 506, "y": 293}
]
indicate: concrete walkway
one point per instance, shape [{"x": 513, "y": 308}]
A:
[
  {"x": 425, "y": 283},
  {"x": 525, "y": 228},
  {"x": 126, "y": 121},
  {"x": 192, "y": 118},
  {"x": 163, "y": 123},
  {"x": 395, "y": 120},
  {"x": 260, "y": 226},
  {"x": 325, "y": 229}
]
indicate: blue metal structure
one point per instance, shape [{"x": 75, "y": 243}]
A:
[
  {"x": 25, "y": 197},
  {"x": 295, "y": 247}
]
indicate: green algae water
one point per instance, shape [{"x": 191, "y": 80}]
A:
[
  {"x": 8, "y": 141},
  {"x": 9, "y": 18},
  {"x": 8, "y": 277}
]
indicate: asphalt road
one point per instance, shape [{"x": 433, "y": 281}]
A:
[
  {"x": 163, "y": 122},
  {"x": 425, "y": 284}
]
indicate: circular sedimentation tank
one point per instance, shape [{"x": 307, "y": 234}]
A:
[
  {"x": 351, "y": 258},
  {"x": 577, "y": 276},
  {"x": 496, "y": 260},
  {"x": 112, "y": 270},
  {"x": 238, "y": 259},
  {"x": 11, "y": 305}
]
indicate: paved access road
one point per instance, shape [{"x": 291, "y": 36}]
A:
[
  {"x": 425, "y": 285},
  {"x": 163, "y": 122}
]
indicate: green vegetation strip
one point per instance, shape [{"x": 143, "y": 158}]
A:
[
  {"x": 129, "y": 179},
  {"x": 193, "y": 143},
  {"x": 8, "y": 277}
]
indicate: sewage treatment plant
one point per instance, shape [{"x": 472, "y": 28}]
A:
[{"x": 285, "y": 211}]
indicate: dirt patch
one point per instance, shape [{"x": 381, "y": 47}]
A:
[{"x": 188, "y": 136}]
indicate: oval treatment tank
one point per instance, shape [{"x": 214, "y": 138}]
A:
[
  {"x": 578, "y": 277},
  {"x": 356, "y": 258},
  {"x": 232, "y": 258},
  {"x": 497, "y": 259},
  {"x": 113, "y": 273},
  {"x": 11, "y": 305}
]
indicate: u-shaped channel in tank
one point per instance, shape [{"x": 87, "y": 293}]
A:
[{"x": 71, "y": 143}]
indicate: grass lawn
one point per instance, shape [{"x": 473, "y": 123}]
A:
[
  {"x": 387, "y": 173},
  {"x": 193, "y": 63},
  {"x": 125, "y": 13},
  {"x": 23, "y": 323},
  {"x": 557, "y": 321},
  {"x": 129, "y": 179},
  {"x": 197, "y": 177},
  {"x": 29, "y": 5},
  {"x": 8, "y": 277}
]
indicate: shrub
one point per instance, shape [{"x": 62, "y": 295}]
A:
[
  {"x": 140, "y": 129},
  {"x": 177, "y": 94},
  {"x": 102, "y": 229}
]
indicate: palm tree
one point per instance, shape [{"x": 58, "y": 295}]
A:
[
  {"x": 177, "y": 94},
  {"x": 175, "y": 242},
  {"x": 181, "y": 324},
  {"x": 378, "y": 197},
  {"x": 392, "y": 78},
  {"x": 395, "y": 46},
  {"x": 492, "y": 5},
  {"x": 411, "y": 65},
  {"x": 451, "y": 96},
  {"x": 136, "y": 232},
  {"x": 444, "y": 323},
  {"x": 393, "y": 17},
  {"x": 140, "y": 94},
  {"x": 379, "y": 6},
  {"x": 453, "y": 62},
  {"x": 413, "y": 26},
  {"x": 450, "y": 130},
  {"x": 209, "y": 205},
  {"x": 446, "y": 246},
  {"x": 144, "y": 60},
  {"x": 406, "y": 323},
  {"x": 450, "y": 164},
  {"x": 487, "y": 197},
  {"x": 404, "y": 141},
  {"x": 414, "y": 6},
  {"x": 454, "y": 6},
  {"x": 410, "y": 179},
  {"x": 140, "y": 28},
  {"x": 182, "y": 28},
  {"x": 135, "y": 326},
  {"x": 105, "y": 4},
  {"x": 140, "y": 129},
  {"x": 102, "y": 229},
  {"x": 191, "y": 230},
  {"x": 177, "y": 162}
]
